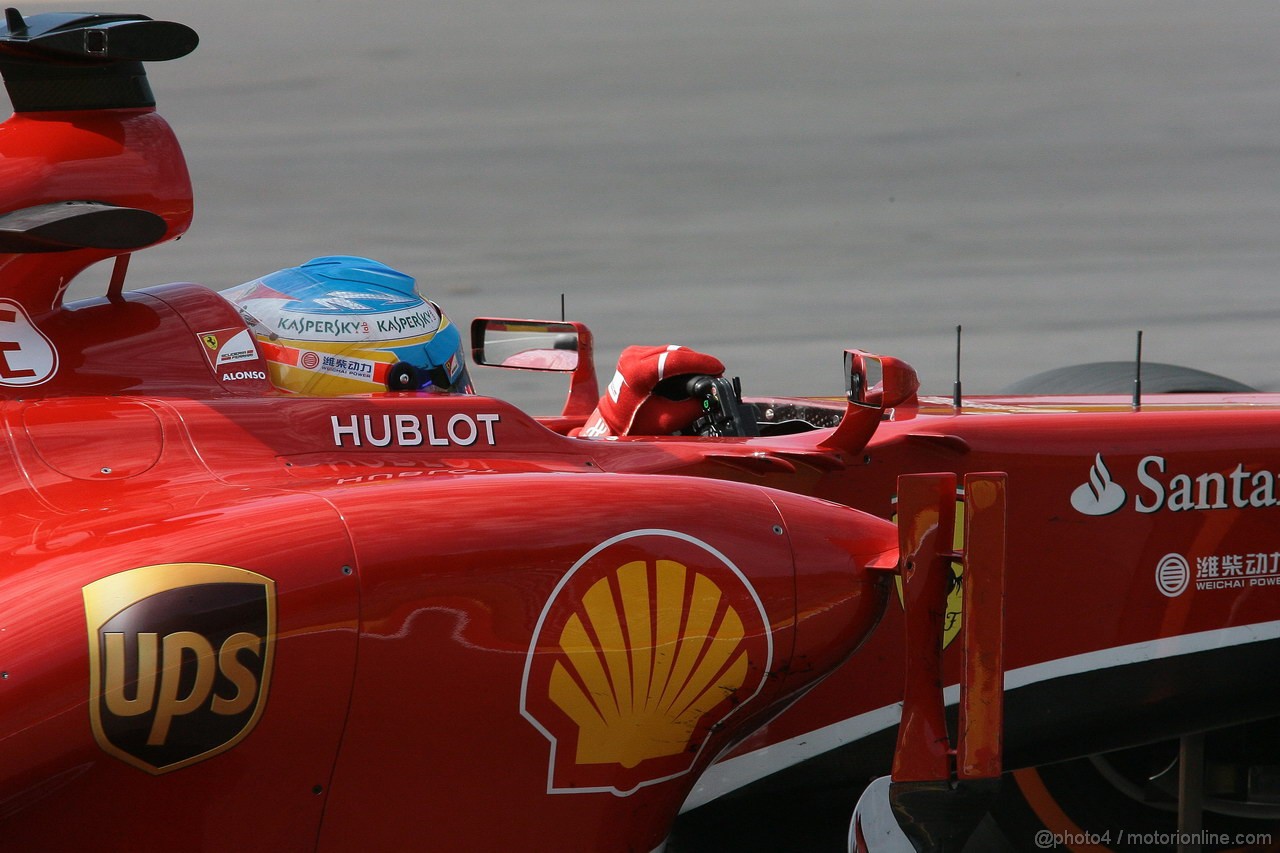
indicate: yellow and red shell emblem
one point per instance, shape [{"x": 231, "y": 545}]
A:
[{"x": 646, "y": 646}]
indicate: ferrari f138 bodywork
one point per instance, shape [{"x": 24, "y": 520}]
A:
[{"x": 421, "y": 621}]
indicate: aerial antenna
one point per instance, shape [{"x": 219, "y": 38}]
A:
[
  {"x": 562, "y": 314},
  {"x": 1137, "y": 375},
  {"x": 955, "y": 387}
]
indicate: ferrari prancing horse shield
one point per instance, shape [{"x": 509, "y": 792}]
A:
[{"x": 180, "y": 660}]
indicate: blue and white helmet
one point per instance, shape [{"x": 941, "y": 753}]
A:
[{"x": 347, "y": 325}]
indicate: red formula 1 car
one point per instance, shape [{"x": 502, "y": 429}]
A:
[{"x": 236, "y": 619}]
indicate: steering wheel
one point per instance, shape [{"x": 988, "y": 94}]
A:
[{"x": 720, "y": 408}]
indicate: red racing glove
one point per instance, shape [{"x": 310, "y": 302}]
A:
[{"x": 647, "y": 396}]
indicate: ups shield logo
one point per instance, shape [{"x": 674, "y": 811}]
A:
[{"x": 179, "y": 661}]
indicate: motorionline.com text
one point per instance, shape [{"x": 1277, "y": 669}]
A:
[{"x": 1049, "y": 840}]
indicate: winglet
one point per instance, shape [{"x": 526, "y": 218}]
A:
[{"x": 78, "y": 61}]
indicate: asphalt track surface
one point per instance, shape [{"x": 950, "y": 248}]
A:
[{"x": 770, "y": 182}]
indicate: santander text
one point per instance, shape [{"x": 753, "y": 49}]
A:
[{"x": 1235, "y": 489}]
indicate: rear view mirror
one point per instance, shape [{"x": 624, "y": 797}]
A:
[
  {"x": 872, "y": 384},
  {"x": 525, "y": 344},
  {"x": 877, "y": 381},
  {"x": 544, "y": 345}
]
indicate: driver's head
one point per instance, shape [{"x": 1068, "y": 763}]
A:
[{"x": 345, "y": 325}]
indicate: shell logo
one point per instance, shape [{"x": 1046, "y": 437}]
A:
[{"x": 648, "y": 643}]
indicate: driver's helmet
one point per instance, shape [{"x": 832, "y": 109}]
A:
[{"x": 345, "y": 325}]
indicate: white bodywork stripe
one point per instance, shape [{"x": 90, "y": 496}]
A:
[{"x": 734, "y": 773}]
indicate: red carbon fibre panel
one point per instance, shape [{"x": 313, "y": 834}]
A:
[
  {"x": 228, "y": 722},
  {"x": 551, "y": 641}
]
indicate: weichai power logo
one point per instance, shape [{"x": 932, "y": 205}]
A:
[
  {"x": 180, "y": 660},
  {"x": 648, "y": 644}
]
